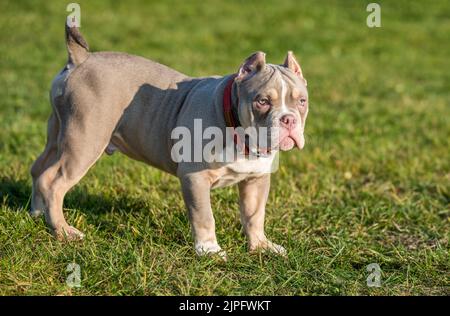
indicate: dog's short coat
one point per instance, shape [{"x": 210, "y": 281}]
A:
[{"x": 109, "y": 101}]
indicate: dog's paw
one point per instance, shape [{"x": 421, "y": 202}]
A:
[
  {"x": 277, "y": 249},
  {"x": 210, "y": 248},
  {"x": 35, "y": 213},
  {"x": 268, "y": 246},
  {"x": 68, "y": 233},
  {"x": 37, "y": 206}
]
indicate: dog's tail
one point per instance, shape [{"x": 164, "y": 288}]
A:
[{"x": 77, "y": 46}]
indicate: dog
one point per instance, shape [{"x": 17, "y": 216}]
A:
[{"x": 109, "y": 101}]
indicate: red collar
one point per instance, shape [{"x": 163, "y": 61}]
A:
[
  {"x": 228, "y": 103},
  {"x": 230, "y": 119}
]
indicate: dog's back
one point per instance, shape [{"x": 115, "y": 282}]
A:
[{"x": 121, "y": 92}]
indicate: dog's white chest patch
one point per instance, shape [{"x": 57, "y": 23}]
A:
[
  {"x": 260, "y": 165},
  {"x": 243, "y": 168}
]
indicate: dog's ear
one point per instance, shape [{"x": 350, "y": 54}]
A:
[
  {"x": 292, "y": 63},
  {"x": 256, "y": 62}
]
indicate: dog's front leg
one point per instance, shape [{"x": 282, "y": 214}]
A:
[
  {"x": 253, "y": 194},
  {"x": 196, "y": 193}
]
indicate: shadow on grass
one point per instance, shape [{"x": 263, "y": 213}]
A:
[{"x": 16, "y": 195}]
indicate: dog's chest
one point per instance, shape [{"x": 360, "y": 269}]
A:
[{"x": 242, "y": 169}]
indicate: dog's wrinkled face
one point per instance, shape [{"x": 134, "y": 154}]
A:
[{"x": 275, "y": 97}]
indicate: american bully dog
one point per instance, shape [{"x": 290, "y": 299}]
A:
[{"x": 108, "y": 101}]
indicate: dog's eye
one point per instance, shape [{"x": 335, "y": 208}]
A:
[
  {"x": 263, "y": 102},
  {"x": 302, "y": 102}
]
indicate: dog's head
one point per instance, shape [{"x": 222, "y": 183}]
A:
[{"x": 274, "y": 97}]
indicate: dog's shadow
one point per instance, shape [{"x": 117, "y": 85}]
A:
[{"x": 16, "y": 195}]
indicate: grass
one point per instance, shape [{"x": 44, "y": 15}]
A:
[{"x": 371, "y": 185}]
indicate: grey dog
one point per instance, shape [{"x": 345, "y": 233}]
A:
[{"x": 107, "y": 101}]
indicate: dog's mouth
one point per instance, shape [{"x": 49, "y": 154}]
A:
[
  {"x": 286, "y": 140},
  {"x": 287, "y": 143},
  {"x": 290, "y": 139}
]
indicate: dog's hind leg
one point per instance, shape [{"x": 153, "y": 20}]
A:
[
  {"x": 47, "y": 157},
  {"x": 81, "y": 141}
]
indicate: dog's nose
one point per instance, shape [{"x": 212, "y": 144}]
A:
[{"x": 288, "y": 121}]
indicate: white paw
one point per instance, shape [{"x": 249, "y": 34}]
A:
[
  {"x": 277, "y": 249},
  {"x": 210, "y": 248},
  {"x": 68, "y": 233},
  {"x": 267, "y": 245}
]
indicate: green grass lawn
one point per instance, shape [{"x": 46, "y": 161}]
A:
[{"x": 371, "y": 186}]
